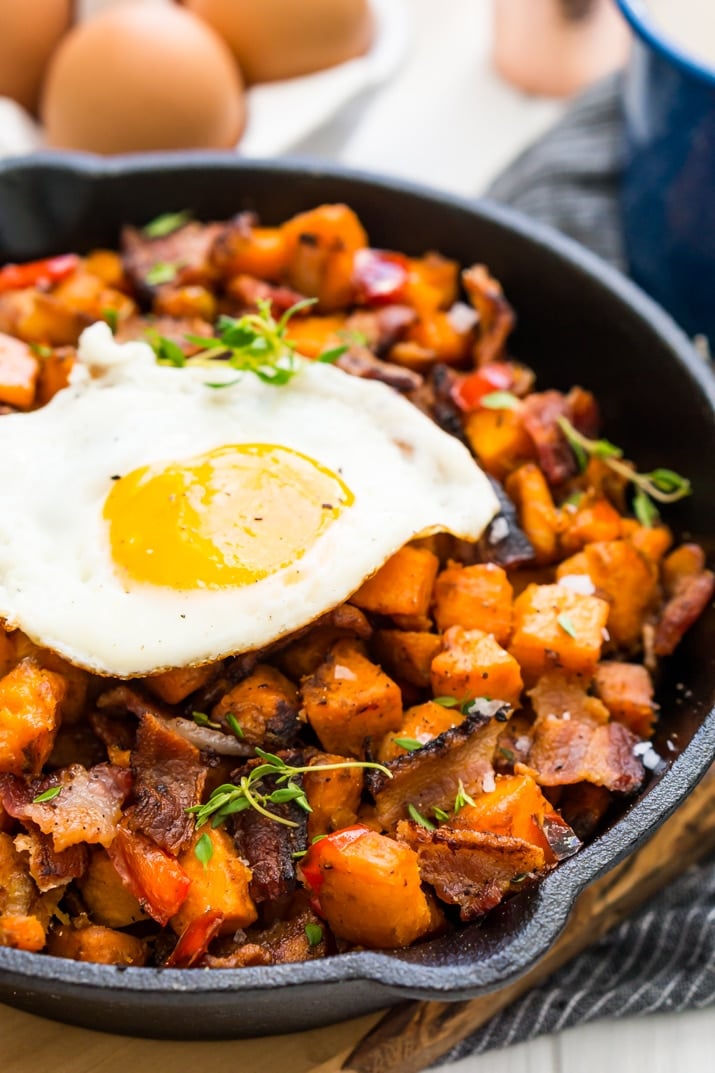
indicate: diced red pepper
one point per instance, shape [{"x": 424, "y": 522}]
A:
[
  {"x": 380, "y": 276},
  {"x": 194, "y": 940},
  {"x": 469, "y": 391},
  {"x": 37, "y": 273},
  {"x": 310, "y": 865},
  {"x": 155, "y": 878}
]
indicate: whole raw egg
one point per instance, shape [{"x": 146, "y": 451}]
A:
[
  {"x": 276, "y": 39},
  {"x": 141, "y": 78},
  {"x": 29, "y": 34}
]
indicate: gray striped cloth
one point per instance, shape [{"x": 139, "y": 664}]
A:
[{"x": 662, "y": 958}]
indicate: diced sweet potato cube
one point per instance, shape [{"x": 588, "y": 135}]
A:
[
  {"x": 311, "y": 336},
  {"x": 686, "y": 561},
  {"x": 334, "y": 796},
  {"x": 498, "y": 439},
  {"x": 220, "y": 884},
  {"x": 443, "y": 336},
  {"x": 538, "y": 516},
  {"x": 432, "y": 282},
  {"x": 627, "y": 691},
  {"x": 94, "y": 943},
  {"x": 319, "y": 251},
  {"x": 176, "y": 685},
  {"x": 477, "y": 597},
  {"x": 368, "y": 887},
  {"x": 407, "y": 654},
  {"x": 19, "y": 370},
  {"x": 22, "y": 932},
  {"x": 264, "y": 703},
  {"x": 75, "y": 678},
  {"x": 30, "y": 700},
  {"x": 190, "y": 300},
  {"x": 402, "y": 586},
  {"x": 421, "y": 723},
  {"x": 54, "y": 374},
  {"x": 516, "y": 807},
  {"x": 106, "y": 265},
  {"x": 555, "y": 627},
  {"x": 595, "y": 520},
  {"x": 258, "y": 251},
  {"x": 472, "y": 664},
  {"x": 349, "y": 700},
  {"x": 107, "y": 899},
  {"x": 629, "y": 582}
]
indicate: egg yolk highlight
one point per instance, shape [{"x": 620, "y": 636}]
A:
[{"x": 224, "y": 519}]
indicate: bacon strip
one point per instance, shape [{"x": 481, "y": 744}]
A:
[{"x": 48, "y": 868}]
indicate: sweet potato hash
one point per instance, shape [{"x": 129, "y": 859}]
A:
[{"x": 467, "y": 720}]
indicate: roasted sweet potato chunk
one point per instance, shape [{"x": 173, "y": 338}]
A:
[
  {"x": 627, "y": 691},
  {"x": 403, "y": 586},
  {"x": 19, "y": 370},
  {"x": 368, "y": 888},
  {"x": 334, "y": 796},
  {"x": 538, "y": 516},
  {"x": 498, "y": 439},
  {"x": 407, "y": 654},
  {"x": 629, "y": 582},
  {"x": 95, "y": 943},
  {"x": 220, "y": 884},
  {"x": 350, "y": 700},
  {"x": 319, "y": 250},
  {"x": 265, "y": 706},
  {"x": 557, "y": 628},
  {"x": 472, "y": 664},
  {"x": 421, "y": 724},
  {"x": 108, "y": 900},
  {"x": 176, "y": 685},
  {"x": 30, "y": 700},
  {"x": 476, "y": 597}
]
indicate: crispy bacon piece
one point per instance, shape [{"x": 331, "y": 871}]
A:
[
  {"x": 283, "y": 942},
  {"x": 583, "y": 806},
  {"x": 48, "y": 868},
  {"x": 689, "y": 587},
  {"x": 430, "y": 776},
  {"x": 169, "y": 777},
  {"x": 381, "y": 328},
  {"x": 87, "y": 808},
  {"x": 188, "y": 249},
  {"x": 496, "y": 317},
  {"x": 567, "y": 751},
  {"x": 471, "y": 869},
  {"x": 24, "y": 914},
  {"x": 540, "y": 413},
  {"x": 174, "y": 328},
  {"x": 360, "y": 361},
  {"x": 248, "y": 291},
  {"x": 269, "y": 847},
  {"x": 156, "y": 879},
  {"x": 504, "y": 542},
  {"x": 195, "y": 940}
]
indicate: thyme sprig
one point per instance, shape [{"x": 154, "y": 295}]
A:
[
  {"x": 662, "y": 485},
  {"x": 255, "y": 343},
  {"x": 249, "y": 792}
]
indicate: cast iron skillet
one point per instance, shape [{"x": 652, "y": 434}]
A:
[{"x": 579, "y": 322}]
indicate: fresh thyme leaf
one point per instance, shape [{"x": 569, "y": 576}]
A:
[
  {"x": 41, "y": 350},
  {"x": 645, "y": 509},
  {"x": 314, "y": 934},
  {"x": 234, "y": 725},
  {"x": 167, "y": 351},
  {"x": 420, "y": 819},
  {"x": 317, "y": 838},
  {"x": 202, "y": 720},
  {"x": 204, "y": 849},
  {"x": 447, "y": 702},
  {"x": 166, "y": 224},
  {"x": 111, "y": 316},
  {"x": 440, "y": 814},
  {"x": 161, "y": 272},
  {"x": 462, "y": 798},
  {"x": 573, "y": 500},
  {"x": 507, "y": 753},
  {"x": 499, "y": 400},
  {"x": 47, "y": 795},
  {"x": 567, "y": 625},
  {"x": 411, "y": 744},
  {"x": 271, "y": 758},
  {"x": 328, "y": 357},
  {"x": 663, "y": 485}
]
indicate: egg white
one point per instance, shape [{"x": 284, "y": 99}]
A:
[{"x": 58, "y": 582}]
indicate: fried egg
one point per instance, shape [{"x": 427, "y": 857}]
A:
[{"x": 149, "y": 520}]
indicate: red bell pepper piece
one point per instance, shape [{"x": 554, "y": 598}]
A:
[
  {"x": 194, "y": 940},
  {"x": 37, "y": 273},
  {"x": 379, "y": 276},
  {"x": 468, "y": 392},
  {"x": 155, "y": 878}
]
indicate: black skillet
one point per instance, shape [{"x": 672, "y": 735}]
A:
[{"x": 579, "y": 322}]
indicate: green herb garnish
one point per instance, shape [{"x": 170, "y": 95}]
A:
[
  {"x": 111, "y": 316},
  {"x": 314, "y": 934},
  {"x": 420, "y": 819},
  {"x": 567, "y": 625},
  {"x": 161, "y": 272},
  {"x": 202, "y": 720},
  {"x": 499, "y": 400},
  {"x": 204, "y": 849},
  {"x": 663, "y": 485},
  {"x": 447, "y": 702},
  {"x": 440, "y": 814},
  {"x": 235, "y": 725},
  {"x": 41, "y": 350},
  {"x": 47, "y": 795},
  {"x": 166, "y": 224},
  {"x": 247, "y": 793},
  {"x": 167, "y": 351},
  {"x": 462, "y": 799},
  {"x": 411, "y": 744}
]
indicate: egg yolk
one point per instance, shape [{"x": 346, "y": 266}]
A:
[{"x": 226, "y": 518}]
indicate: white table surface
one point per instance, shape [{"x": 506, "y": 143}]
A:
[{"x": 447, "y": 121}]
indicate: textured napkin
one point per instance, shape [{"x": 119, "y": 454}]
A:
[{"x": 662, "y": 958}]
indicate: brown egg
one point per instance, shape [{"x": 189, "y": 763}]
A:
[
  {"x": 143, "y": 78},
  {"x": 274, "y": 39},
  {"x": 29, "y": 34}
]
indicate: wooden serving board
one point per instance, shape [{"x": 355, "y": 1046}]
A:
[{"x": 403, "y": 1040}]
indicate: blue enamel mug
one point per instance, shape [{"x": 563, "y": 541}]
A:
[{"x": 668, "y": 184}]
